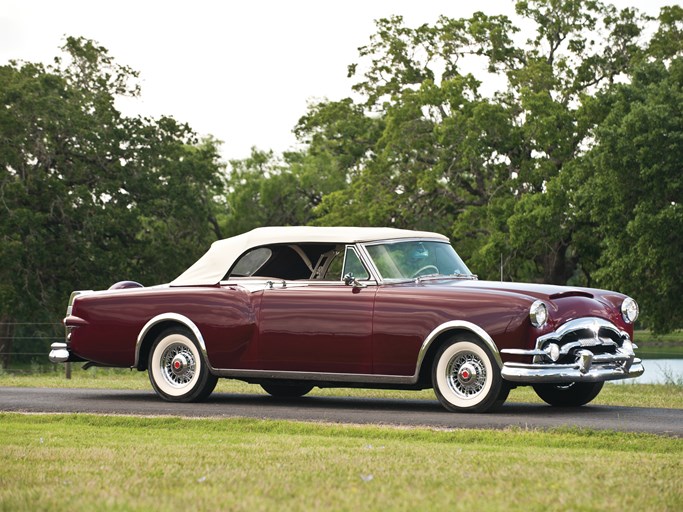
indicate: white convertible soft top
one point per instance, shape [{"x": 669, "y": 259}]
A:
[{"x": 212, "y": 267}]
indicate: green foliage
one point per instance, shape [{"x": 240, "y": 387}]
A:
[
  {"x": 268, "y": 190},
  {"x": 88, "y": 196},
  {"x": 265, "y": 190},
  {"x": 634, "y": 189}
]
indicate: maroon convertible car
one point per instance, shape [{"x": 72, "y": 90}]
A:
[{"x": 291, "y": 308}]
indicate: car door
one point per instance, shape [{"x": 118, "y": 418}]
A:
[{"x": 319, "y": 325}]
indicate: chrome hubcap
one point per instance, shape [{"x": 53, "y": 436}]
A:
[
  {"x": 178, "y": 365},
  {"x": 466, "y": 375}
]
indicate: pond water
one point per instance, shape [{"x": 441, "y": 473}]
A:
[{"x": 658, "y": 371}]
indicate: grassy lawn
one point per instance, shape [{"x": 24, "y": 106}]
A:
[
  {"x": 646, "y": 337},
  {"x": 667, "y": 346},
  {"x": 83, "y": 462}
]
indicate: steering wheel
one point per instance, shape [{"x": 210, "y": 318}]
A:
[{"x": 426, "y": 267}]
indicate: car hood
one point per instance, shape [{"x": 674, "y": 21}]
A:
[
  {"x": 554, "y": 295},
  {"x": 538, "y": 291},
  {"x": 604, "y": 303}
]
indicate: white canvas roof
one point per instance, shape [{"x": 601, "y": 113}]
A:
[{"x": 213, "y": 266}]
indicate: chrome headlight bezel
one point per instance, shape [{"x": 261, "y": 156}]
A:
[
  {"x": 538, "y": 313},
  {"x": 629, "y": 310}
]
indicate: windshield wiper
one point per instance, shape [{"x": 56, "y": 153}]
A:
[
  {"x": 430, "y": 276},
  {"x": 460, "y": 275},
  {"x": 457, "y": 275}
]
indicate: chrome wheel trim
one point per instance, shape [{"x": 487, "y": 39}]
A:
[
  {"x": 464, "y": 374},
  {"x": 176, "y": 365}
]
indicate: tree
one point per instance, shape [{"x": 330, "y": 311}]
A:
[
  {"x": 269, "y": 190},
  {"x": 472, "y": 165},
  {"x": 633, "y": 190},
  {"x": 87, "y": 195},
  {"x": 265, "y": 190}
]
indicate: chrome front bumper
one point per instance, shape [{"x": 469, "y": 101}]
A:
[
  {"x": 565, "y": 373},
  {"x": 600, "y": 352}
]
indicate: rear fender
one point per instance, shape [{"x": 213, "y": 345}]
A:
[{"x": 152, "y": 329}]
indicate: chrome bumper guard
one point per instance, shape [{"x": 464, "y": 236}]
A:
[
  {"x": 59, "y": 353},
  {"x": 615, "y": 358}
]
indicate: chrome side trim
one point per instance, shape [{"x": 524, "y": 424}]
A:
[
  {"x": 165, "y": 317},
  {"x": 457, "y": 324},
  {"x": 318, "y": 376}
]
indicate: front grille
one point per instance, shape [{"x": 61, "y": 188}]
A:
[{"x": 602, "y": 338}]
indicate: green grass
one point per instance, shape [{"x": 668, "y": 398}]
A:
[
  {"x": 628, "y": 394},
  {"x": 81, "y": 462},
  {"x": 666, "y": 346},
  {"x": 645, "y": 336},
  {"x": 84, "y": 462},
  {"x": 660, "y": 351}
]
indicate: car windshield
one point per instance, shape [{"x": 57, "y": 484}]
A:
[{"x": 411, "y": 259}]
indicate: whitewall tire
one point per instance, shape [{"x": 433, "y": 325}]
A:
[
  {"x": 466, "y": 377},
  {"x": 177, "y": 369}
]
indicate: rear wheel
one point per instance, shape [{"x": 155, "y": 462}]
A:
[
  {"x": 466, "y": 377},
  {"x": 177, "y": 369},
  {"x": 281, "y": 390},
  {"x": 573, "y": 394}
]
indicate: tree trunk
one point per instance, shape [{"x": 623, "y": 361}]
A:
[{"x": 558, "y": 270}]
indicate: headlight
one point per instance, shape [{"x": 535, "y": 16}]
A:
[
  {"x": 538, "y": 314},
  {"x": 629, "y": 310}
]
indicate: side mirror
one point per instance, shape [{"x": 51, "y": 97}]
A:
[{"x": 349, "y": 280}]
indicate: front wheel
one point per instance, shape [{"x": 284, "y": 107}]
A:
[
  {"x": 177, "y": 369},
  {"x": 466, "y": 377},
  {"x": 573, "y": 394}
]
